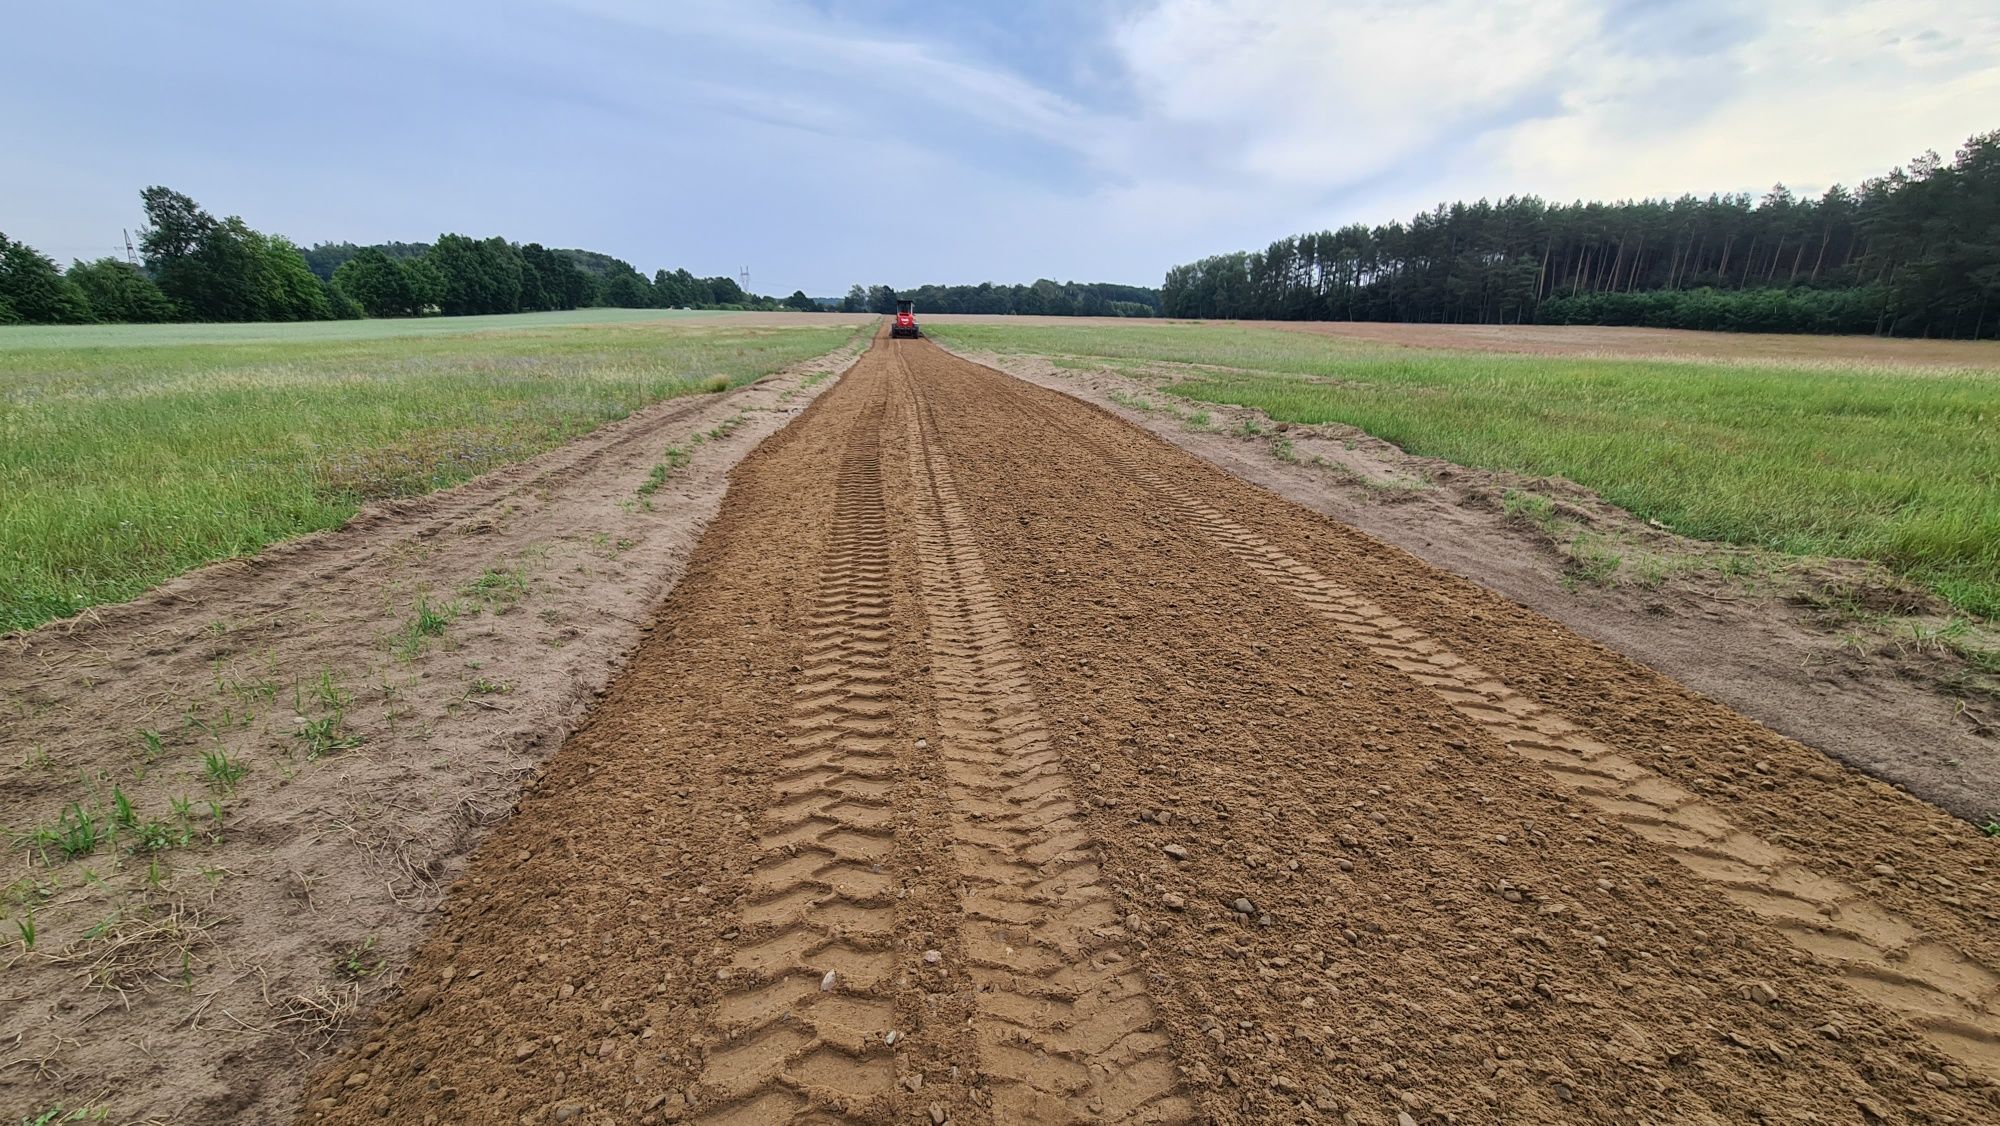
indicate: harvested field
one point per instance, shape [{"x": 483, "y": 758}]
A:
[
  {"x": 1663, "y": 343},
  {"x": 995, "y": 761},
  {"x": 1591, "y": 340}
]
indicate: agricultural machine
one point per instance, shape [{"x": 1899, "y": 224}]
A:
[{"x": 906, "y": 319}]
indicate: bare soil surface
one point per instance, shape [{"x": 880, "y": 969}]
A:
[
  {"x": 191, "y": 967},
  {"x": 995, "y": 761},
  {"x": 1600, "y": 340},
  {"x": 1762, "y": 642},
  {"x": 1665, "y": 343}
]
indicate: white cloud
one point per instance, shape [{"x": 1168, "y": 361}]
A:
[
  {"x": 1298, "y": 93},
  {"x": 1826, "y": 93},
  {"x": 1393, "y": 106}
]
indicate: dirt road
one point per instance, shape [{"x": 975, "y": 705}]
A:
[{"x": 996, "y": 762}]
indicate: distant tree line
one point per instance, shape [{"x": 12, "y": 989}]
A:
[
  {"x": 1043, "y": 298},
  {"x": 200, "y": 268},
  {"x": 1913, "y": 253}
]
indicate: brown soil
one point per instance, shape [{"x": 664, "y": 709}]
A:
[
  {"x": 1764, "y": 643},
  {"x": 197, "y": 982},
  {"x": 1669, "y": 343},
  {"x": 997, "y": 762}
]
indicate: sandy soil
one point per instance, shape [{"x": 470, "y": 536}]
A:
[
  {"x": 1672, "y": 343},
  {"x": 997, "y": 762},
  {"x": 1588, "y": 340},
  {"x": 197, "y": 982},
  {"x": 1915, "y": 718}
]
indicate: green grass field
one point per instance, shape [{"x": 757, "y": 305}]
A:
[
  {"x": 1900, "y": 466},
  {"x": 64, "y": 337},
  {"x": 129, "y": 454}
]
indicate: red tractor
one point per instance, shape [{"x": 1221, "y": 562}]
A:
[{"x": 906, "y": 320}]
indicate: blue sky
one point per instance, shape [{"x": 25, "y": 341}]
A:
[{"x": 824, "y": 142}]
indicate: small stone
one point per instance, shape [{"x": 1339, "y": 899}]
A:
[
  {"x": 369, "y": 1049},
  {"x": 1175, "y": 852},
  {"x": 1173, "y": 902},
  {"x": 923, "y": 743},
  {"x": 568, "y": 1111},
  {"x": 1888, "y": 870},
  {"x": 937, "y": 1115},
  {"x": 1934, "y": 1078},
  {"x": 1344, "y": 864},
  {"x": 1763, "y": 766},
  {"x": 1244, "y": 907},
  {"x": 360, "y": 1078},
  {"x": 1761, "y": 993},
  {"x": 932, "y": 957},
  {"x": 1403, "y": 1119},
  {"x": 826, "y": 983},
  {"x": 526, "y": 1050}
]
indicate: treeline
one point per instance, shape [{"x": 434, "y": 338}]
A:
[
  {"x": 1913, "y": 253},
  {"x": 199, "y": 268},
  {"x": 1043, "y": 298}
]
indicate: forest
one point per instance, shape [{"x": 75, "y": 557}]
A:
[
  {"x": 195, "y": 267},
  {"x": 1912, "y": 253},
  {"x": 1043, "y": 298}
]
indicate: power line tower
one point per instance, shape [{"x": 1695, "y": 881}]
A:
[
  {"x": 743, "y": 278},
  {"x": 131, "y": 256}
]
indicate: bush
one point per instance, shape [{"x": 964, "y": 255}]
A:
[{"x": 1805, "y": 310}]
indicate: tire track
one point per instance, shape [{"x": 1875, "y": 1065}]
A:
[
  {"x": 1063, "y": 1024},
  {"x": 1952, "y": 1000},
  {"x": 807, "y": 1005}
]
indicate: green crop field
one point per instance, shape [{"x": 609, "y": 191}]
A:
[
  {"x": 131, "y": 453},
  {"x": 1901, "y": 466},
  {"x": 65, "y": 337}
]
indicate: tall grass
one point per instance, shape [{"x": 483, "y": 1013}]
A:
[
  {"x": 1900, "y": 466},
  {"x": 123, "y": 465}
]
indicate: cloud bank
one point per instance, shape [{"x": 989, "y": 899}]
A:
[{"x": 824, "y": 142}]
